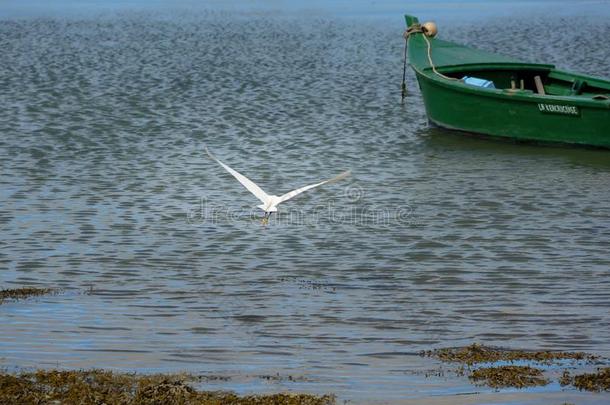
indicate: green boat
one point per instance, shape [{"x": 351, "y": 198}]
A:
[{"x": 482, "y": 93}]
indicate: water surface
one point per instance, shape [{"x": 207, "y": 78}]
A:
[{"x": 436, "y": 240}]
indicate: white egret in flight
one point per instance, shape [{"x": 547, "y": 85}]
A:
[{"x": 270, "y": 202}]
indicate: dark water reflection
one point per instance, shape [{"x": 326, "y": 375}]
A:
[{"x": 436, "y": 240}]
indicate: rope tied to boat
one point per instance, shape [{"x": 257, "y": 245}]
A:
[{"x": 417, "y": 28}]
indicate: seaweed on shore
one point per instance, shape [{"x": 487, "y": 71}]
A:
[
  {"x": 476, "y": 353},
  {"x": 21, "y": 293},
  {"x": 565, "y": 379},
  {"x": 599, "y": 381},
  {"x": 98, "y": 386},
  {"x": 500, "y": 376},
  {"x": 509, "y": 376}
]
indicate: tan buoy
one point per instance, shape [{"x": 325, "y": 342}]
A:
[{"x": 430, "y": 29}]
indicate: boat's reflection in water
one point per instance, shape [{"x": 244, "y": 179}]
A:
[{"x": 439, "y": 139}]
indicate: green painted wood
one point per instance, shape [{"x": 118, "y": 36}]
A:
[{"x": 568, "y": 113}]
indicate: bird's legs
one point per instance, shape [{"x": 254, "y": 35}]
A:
[{"x": 266, "y": 218}]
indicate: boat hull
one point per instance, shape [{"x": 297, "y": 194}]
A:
[
  {"x": 510, "y": 116},
  {"x": 527, "y": 101}
]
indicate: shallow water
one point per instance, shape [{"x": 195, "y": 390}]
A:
[{"x": 436, "y": 240}]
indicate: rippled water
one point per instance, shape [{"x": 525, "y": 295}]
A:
[{"x": 436, "y": 239}]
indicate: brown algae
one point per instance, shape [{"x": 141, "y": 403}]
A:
[
  {"x": 476, "y": 353},
  {"x": 565, "y": 379},
  {"x": 599, "y": 381},
  {"x": 98, "y": 386},
  {"x": 22, "y": 293},
  {"x": 500, "y": 376},
  {"x": 509, "y": 376}
]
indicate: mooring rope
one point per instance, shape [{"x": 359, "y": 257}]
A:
[
  {"x": 415, "y": 29},
  {"x": 403, "y": 86}
]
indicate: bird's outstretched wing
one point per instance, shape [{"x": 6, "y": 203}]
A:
[
  {"x": 298, "y": 191},
  {"x": 246, "y": 182}
]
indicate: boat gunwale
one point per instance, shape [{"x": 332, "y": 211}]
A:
[
  {"x": 494, "y": 66},
  {"x": 522, "y": 66},
  {"x": 459, "y": 86}
]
